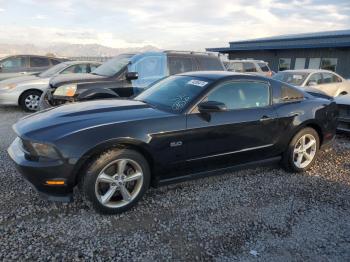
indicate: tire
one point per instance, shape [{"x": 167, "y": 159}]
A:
[
  {"x": 295, "y": 151},
  {"x": 104, "y": 187},
  {"x": 30, "y": 100}
]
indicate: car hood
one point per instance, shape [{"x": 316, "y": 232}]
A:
[
  {"x": 55, "y": 123},
  {"x": 18, "y": 80},
  {"x": 75, "y": 78},
  {"x": 344, "y": 100}
]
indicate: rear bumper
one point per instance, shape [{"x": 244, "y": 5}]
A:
[{"x": 38, "y": 172}]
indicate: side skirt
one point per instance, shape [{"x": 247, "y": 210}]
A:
[{"x": 217, "y": 172}]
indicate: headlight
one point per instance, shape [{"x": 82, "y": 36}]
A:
[
  {"x": 44, "y": 150},
  {"x": 66, "y": 90}
]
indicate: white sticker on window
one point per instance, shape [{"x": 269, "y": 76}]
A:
[
  {"x": 299, "y": 77},
  {"x": 197, "y": 83}
]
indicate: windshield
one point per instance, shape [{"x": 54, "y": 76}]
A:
[
  {"x": 174, "y": 93},
  {"x": 293, "y": 78},
  {"x": 53, "y": 70},
  {"x": 113, "y": 66}
]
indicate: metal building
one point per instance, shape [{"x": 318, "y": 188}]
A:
[{"x": 327, "y": 50}]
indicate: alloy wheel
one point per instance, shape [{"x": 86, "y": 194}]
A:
[
  {"x": 304, "y": 151},
  {"x": 119, "y": 183},
  {"x": 32, "y": 102}
]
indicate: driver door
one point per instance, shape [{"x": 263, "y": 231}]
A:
[{"x": 246, "y": 131}]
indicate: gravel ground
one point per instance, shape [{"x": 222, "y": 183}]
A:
[{"x": 262, "y": 214}]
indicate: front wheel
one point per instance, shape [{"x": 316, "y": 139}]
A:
[
  {"x": 29, "y": 100},
  {"x": 116, "y": 181},
  {"x": 302, "y": 150}
]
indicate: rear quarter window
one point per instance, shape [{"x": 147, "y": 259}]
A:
[
  {"x": 290, "y": 94},
  {"x": 210, "y": 63}
]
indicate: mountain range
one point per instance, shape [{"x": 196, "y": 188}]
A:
[{"x": 70, "y": 50}]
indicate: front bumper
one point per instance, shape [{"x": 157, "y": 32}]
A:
[{"x": 38, "y": 172}]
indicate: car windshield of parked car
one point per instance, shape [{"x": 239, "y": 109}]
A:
[
  {"x": 293, "y": 78},
  {"x": 53, "y": 70},
  {"x": 174, "y": 93},
  {"x": 112, "y": 66}
]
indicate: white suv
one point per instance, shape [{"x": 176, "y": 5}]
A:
[{"x": 257, "y": 67}]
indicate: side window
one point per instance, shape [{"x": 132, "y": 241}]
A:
[
  {"x": 249, "y": 67},
  {"x": 93, "y": 67},
  {"x": 179, "y": 65},
  {"x": 83, "y": 68},
  {"x": 290, "y": 94},
  {"x": 241, "y": 95},
  {"x": 329, "y": 78},
  {"x": 39, "y": 62},
  {"x": 14, "y": 62},
  {"x": 150, "y": 69},
  {"x": 210, "y": 63},
  {"x": 237, "y": 67},
  {"x": 315, "y": 79},
  {"x": 264, "y": 67}
]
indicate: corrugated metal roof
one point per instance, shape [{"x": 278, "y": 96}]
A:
[{"x": 340, "y": 38}]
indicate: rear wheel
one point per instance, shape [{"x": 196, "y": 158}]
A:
[
  {"x": 116, "y": 180},
  {"x": 29, "y": 100},
  {"x": 302, "y": 150}
]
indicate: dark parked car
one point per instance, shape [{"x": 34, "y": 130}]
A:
[
  {"x": 180, "y": 128},
  {"x": 126, "y": 75},
  {"x": 19, "y": 65}
]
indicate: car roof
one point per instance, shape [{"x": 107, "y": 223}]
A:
[
  {"x": 215, "y": 75},
  {"x": 247, "y": 60},
  {"x": 172, "y": 52},
  {"x": 49, "y": 57},
  {"x": 80, "y": 62},
  {"x": 308, "y": 71}
]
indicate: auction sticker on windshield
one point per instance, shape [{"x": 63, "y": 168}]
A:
[{"x": 197, "y": 82}]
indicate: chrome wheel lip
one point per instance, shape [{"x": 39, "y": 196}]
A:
[
  {"x": 304, "y": 151},
  {"x": 117, "y": 183},
  {"x": 32, "y": 102}
]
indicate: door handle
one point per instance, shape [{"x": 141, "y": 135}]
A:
[{"x": 265, "y": 118}]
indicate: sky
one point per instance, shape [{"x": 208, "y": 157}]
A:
[{"x": 175, "y": 24}]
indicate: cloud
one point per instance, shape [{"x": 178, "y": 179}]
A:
[
  {"x": 2, "y": 9},
  {"x": 40, "y": 17},
  {"x": 180, "y": 24}
]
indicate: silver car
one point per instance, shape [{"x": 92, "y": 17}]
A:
[
  {"x": 326, "y": 81},
  {"x": 18, "y": 65},
  {"x": 25, "y": 91}
]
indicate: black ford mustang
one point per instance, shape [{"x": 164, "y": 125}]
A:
[{"x": 182, "y": 127}]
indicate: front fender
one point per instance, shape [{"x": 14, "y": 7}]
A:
[{"x": 138, "y": 145}]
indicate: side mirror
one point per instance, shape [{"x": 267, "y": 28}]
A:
[
  {"x": 312, "y": 83},
  {"x": 131, "y": 76},
  {"x": 211, "y": 106}
]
